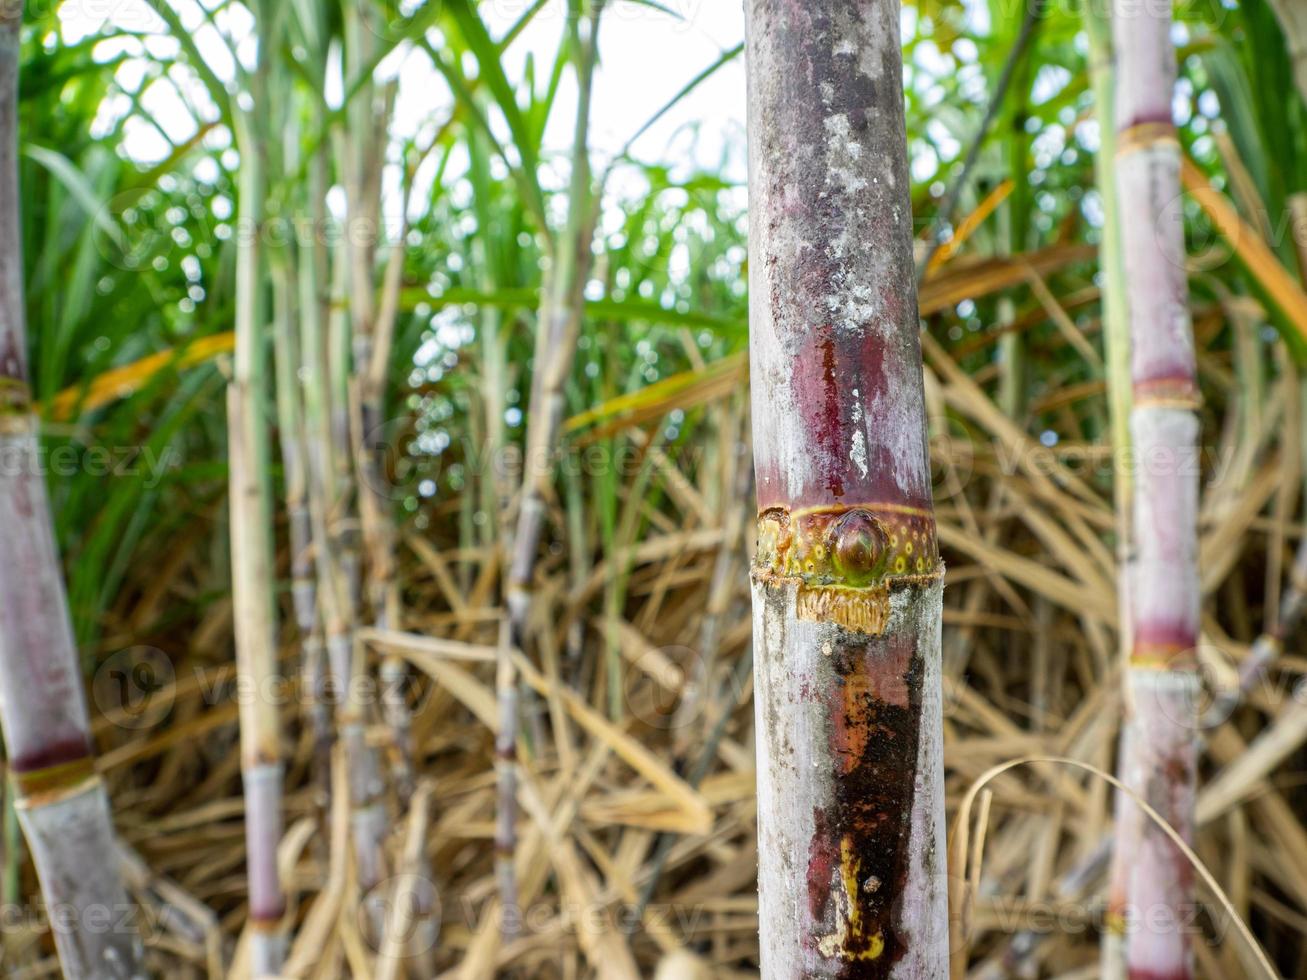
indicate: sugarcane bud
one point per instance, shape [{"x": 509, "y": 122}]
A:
[{"x": 857, "y": 544}]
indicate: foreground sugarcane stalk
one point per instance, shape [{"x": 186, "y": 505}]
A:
[
  {"x": 847, "y": 582},
  {"x": 1150, "y": 889},
  {"x": 60, "y": 801}
]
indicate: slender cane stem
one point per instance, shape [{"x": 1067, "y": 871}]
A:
[
  {"x": 556, "y": 336},
  {"x": 60, "y": 801},
  {"x": 252, "y": 557},
  {"x": 1151, "y": 884}
]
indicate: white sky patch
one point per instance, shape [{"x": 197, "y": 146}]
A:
[{"x": 646, "y": 57}]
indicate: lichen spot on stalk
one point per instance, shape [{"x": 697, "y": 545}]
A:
[{"x": 846, "y": 559}]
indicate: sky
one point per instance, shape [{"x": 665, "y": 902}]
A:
[
  {"x": 646, "y": 55},
  {"x": 646, "y": 58}
]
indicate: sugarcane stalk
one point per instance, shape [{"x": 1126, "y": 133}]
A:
[
  {"x": 1151, "y": 882},
  {"x": 250, "y": 498},
  {"x": 375, "y": 504},
  {"x": 364, "y": 785},
  {"x": 506, "y": 781},
  {"x": 11, "y": 841},
  {"x": 60, "y": 802},
  {"x": 320, "y": 467},
  {"x": 494, "y": 483},
  {"x": 338, "y": 581},
  {"x": 349, "y": 343},
  {"x": 559, "y": 324},
  {"x": 360, "y": 156},
  {"x": 1116, "y": 319},
  {"x": 555, "y": 349},
  {"x": 1116, "y": 350},
  {"x": 342, "y": 526},
  {"x": 1013, "y": 221},
  {"x": 373, "y": 326},
  {"x": 329, "y": 490},
  {"x": 293, "y": 455},
  {"x": 401, "y": 917},
  {"x": 1293, "y": 20},
  {"x": 1266, "y": 649},
  {"x": 691, "y": 719},
  {"x": 292, "y": 441},
  {"x": 848, "y": 584}
]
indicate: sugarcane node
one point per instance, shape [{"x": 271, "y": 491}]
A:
[
  {"x": 15, "y": 397},
  {"x": 38, "y": 787},
  {"x": 863, "y": 546},
  {"x": 1177, "y": 392},
  {"x": 1145, "y": 135},
  {"x": 1147, "y": 655}
]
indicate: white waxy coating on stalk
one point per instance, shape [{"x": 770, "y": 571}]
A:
[
  {"x": 262, "y": 785},
  {"x": 73, "y": 848},
  {"x": 1150, "y": 889},
  {"x": 832, "y": 256},
  {"x": 69, "y": 828},
  {"x": 1158, "y": 881},
  {"x": 850, "y": 761},
  {"x": 41, "y": 696},
  {"x": 795, "y": 757},
  {"x": 1165, "y": 571}
]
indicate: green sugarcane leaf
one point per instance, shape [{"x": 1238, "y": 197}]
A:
[{"x": 75, "y": 182}]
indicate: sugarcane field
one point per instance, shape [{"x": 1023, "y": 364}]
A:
[{"x": 653, "y": 489}]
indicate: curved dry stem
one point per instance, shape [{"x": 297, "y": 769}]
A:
[{"x": 960, "y": 843}]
